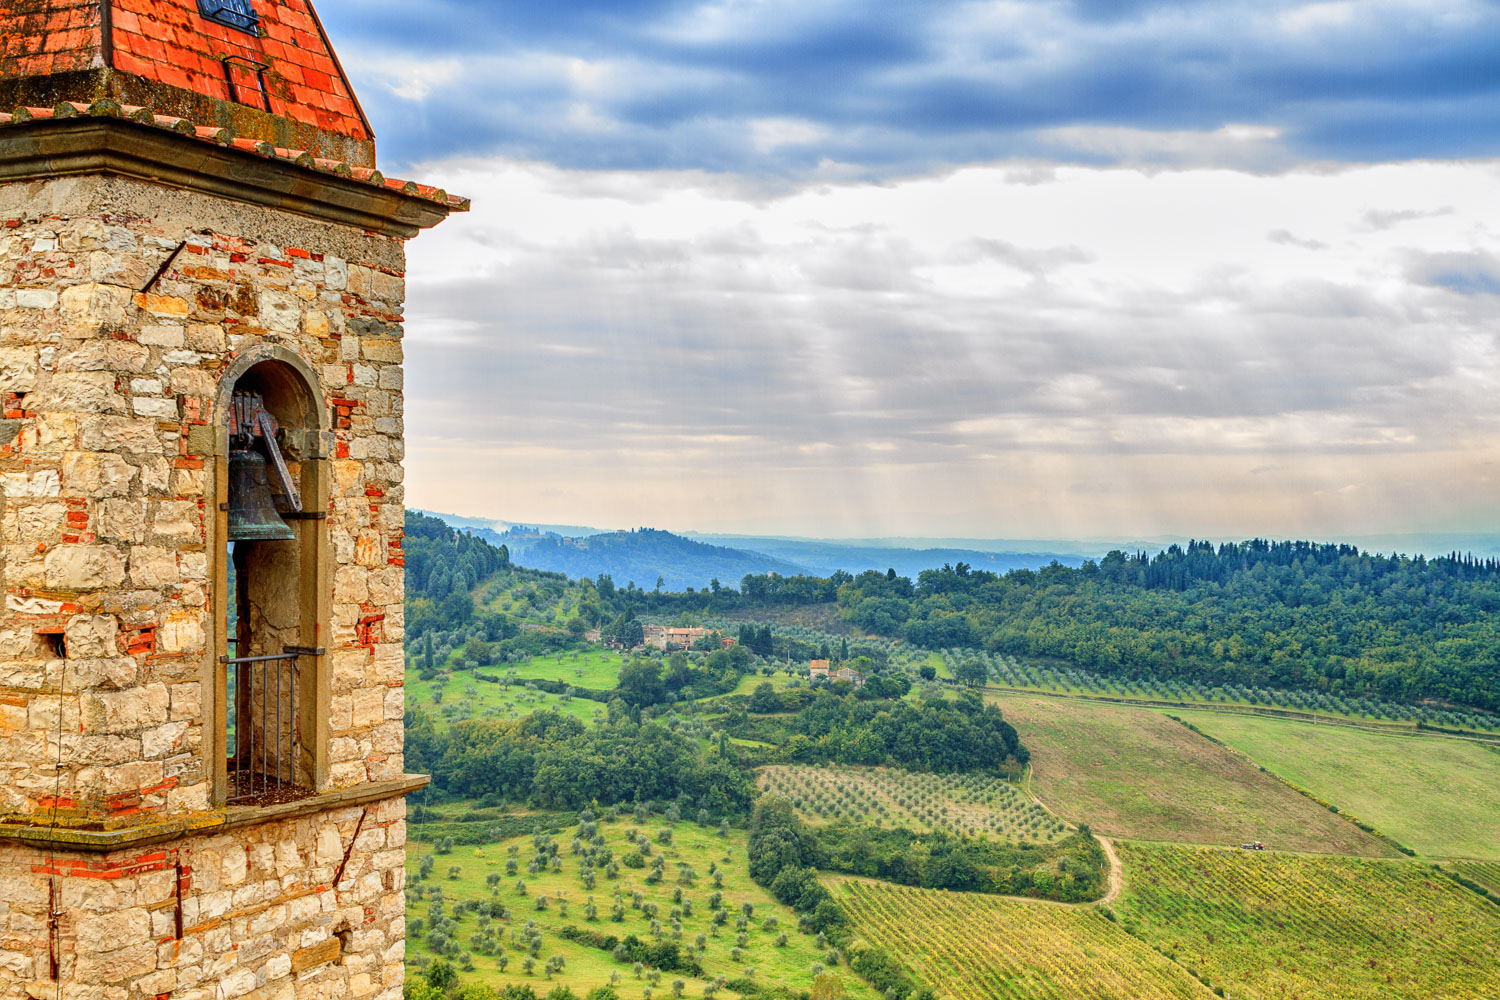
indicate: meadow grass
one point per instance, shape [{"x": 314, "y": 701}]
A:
[
  {"x": 596, "y": 669},
  {"x": 1135, "y": 773},
  {"x": 466, "y": 697},
  {"x": 1440, "y": 797}
]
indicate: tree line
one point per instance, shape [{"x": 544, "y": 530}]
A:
[
  {"x": 1293, "y": 615},
  {"x": 935, "y": 734},
  {"x": 554, "y": 761}
]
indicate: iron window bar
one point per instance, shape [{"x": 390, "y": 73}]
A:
[{"x": 275, "y": 773}]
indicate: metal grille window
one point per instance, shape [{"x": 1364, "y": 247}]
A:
[{"x": 237, "y": 14}]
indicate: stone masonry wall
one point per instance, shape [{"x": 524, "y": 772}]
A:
[
  {"x": 252, "y": 912},
  {"x": 107, "y": 631}
]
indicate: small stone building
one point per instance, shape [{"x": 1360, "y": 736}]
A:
[{"x": 201, "y": 780}]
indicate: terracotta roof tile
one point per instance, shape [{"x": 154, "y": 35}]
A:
[{"x": 171, "y": 44}]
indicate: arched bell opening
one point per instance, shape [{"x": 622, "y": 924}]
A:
[{"x": 272, "y": 498}]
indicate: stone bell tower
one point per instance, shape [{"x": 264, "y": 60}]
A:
[{"x": 201, "y": 781}]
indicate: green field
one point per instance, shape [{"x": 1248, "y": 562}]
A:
[
  {"x": 466, "y": 697},
  {"x": 968, "y": 946},
  {"x": 1134, "y": 773},
  {"x": 790, "y": 963},
  {"x": 1272, "y": 925},
  {"x": 779, "y": 680},
  {"x": 1440, "y": 797},
  {"x": 596, "y": 669},
  {"x": 939, "y": 663},
  {"x": 544, "y": 602}
]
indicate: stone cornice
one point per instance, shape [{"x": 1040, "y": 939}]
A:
[
  {"x": 62, "y": 838},
  {"x": 48, "y": 148}
]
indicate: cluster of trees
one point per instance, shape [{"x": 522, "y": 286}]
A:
[
  {"x": 759, "y": 641},
  {"x": 756, "y": 590},
  {"x": 766, "y": 700},
  {"x": 554, "y": 761},
  {"x": 643, "y": 681},
  {"x": 1071, "y": 870},
  {"x": 442, "y": 566},
  {"x": 625, "y": 630},
  {"x": 886, "y": 974},
  {"x": 1292, "y": 615},
  {"x": 773, "y": 588},
  {"x": 667, "y": 956},
  {"x": 936, "y": 734},
  {"x": 782, "y": 855}
]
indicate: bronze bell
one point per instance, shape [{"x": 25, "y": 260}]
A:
[{"x": 252, "y": 515}]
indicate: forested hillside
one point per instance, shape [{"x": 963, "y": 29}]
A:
[
  {"x": 1284, "y": 615},
  {"x": 1275, "y": 614}
]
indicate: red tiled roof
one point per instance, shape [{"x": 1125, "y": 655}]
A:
[
  {"x": 166, "y": 55},
  {"x": 39, "y": 38},
  {"x": 224, "y": 137}
]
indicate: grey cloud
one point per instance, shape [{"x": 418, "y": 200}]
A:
[
  {"x": 1466, "y": 273},
  {"x": 1035, "y": 261},
  {"x": 1286, "y": 238},
  {"x": 1388, "y": 219}
]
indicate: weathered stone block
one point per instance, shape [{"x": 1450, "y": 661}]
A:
[
  {"x": 91, "y": 636},
  {"x": 367, "y": 707},
  {"x": 121, "y": 520},
  {"x": 83, "y": 392},
  {"x": 80, "y": 567},
  {"x": 177, "y": 519},
  {"x": 96, "y": 474},
  {"x": 181, "y": 632},
  {"x": 125, "y": 435},
  {"x": 116, "y": 966},
  {"x": 18, "y": 369},
  {"x": 125, "y": 711},
  {"x": 153, "y": 566},
  {"x": 96, "y": 303}
]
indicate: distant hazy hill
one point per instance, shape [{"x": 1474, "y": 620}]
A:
[
  {"x": 641, "y": 555},
  {"x": 823, "y": 557},
  {"x": 683, "y": 561}
]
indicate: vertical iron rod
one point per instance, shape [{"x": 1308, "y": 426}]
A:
[
  {"x": 278, "y": 725},
  {"x": 265, "y": 705},
  {"x": 295, "y": 741}
]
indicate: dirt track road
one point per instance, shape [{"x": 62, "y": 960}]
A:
[{"x": 1116, "y": 872}]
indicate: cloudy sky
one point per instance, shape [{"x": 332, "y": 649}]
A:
[{"x": 990, "y": 269}]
